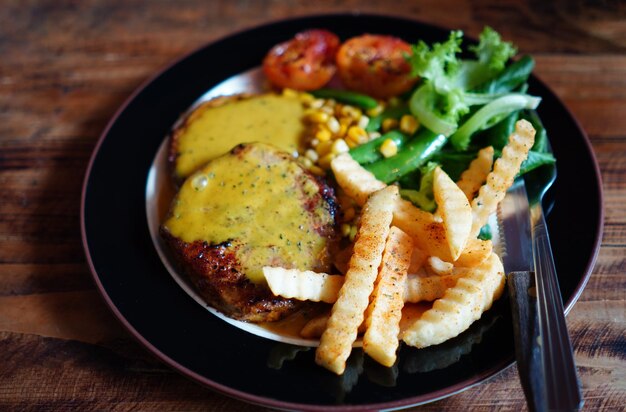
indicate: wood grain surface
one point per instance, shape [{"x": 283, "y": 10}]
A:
[{"x": 66, "y": 66}]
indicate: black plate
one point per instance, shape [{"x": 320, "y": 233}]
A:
[{"x": 170, "y": 324}]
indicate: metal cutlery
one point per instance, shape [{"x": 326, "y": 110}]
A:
[{"x": 543, "y": 349}]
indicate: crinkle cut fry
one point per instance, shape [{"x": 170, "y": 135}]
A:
[
  {"x": 385, "y": 309},
  {"x": 357, "y": 182},
  {"x": 348, "y": 311},
  {"x": 455, "y": 211},
  {"x": 476, "y": 174},
  {"x": 461, "y": 305},
  {"x": 501, "y": 177}
]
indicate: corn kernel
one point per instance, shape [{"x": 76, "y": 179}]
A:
[
  {"x": 357, "y": 135},
  {"x": 317, "y": 170},
  {"x": 333, "y": 124},
  {"x": 323, "y": 134},
  {"x": 349, "y": 214},
  {"x": 373, "y": 135},
  {"x": 376, "y": 110},
  {"x": 324, "y": 148},
  {"x": 312, "y": 155},
  {"x": 351, "y": 143},
  {"x": 329, "y": 110},
  {"x": 345, "y": 230},
  {"x": 409, "y": 124},
  {"x": 317, "y": 104},
  {"x": 340, "y": 146},
  {"x": 324, "y": 161},
  {"x": 316, "y": 116},
  {"x": 353, "y": 230},
  {"x": 363, "y": 121},
  {"x": 388, "y": 148},
  {"x": 389, "y": 124},
  {"x": 306, "y": 98},
  {"x": 351, "y": 111},
  {"x": 315, "y": 142}
]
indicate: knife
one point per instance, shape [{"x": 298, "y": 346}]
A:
[{"x": 542, "y": 347}]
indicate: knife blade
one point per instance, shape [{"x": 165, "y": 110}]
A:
[{"x": 542, "y": 347}]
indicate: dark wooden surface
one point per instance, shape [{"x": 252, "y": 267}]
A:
[{"x": 65, "y": 67}]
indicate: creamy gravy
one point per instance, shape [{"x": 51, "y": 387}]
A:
[
  {"x": 256, "y": 205},
  {"x": 213, "y": 131}
]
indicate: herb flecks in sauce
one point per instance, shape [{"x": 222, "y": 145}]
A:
[{"x": 267, "y": 223}]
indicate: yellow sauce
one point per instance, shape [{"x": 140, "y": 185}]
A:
[
  {"x": 213, "y": 131},
  {"x": 255, "y": 202}
]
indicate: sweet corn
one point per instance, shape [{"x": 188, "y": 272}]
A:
[
  {"x": 409, "y": 124},
  {"x": 311, "y": 155},
  {"x": 345, "y": 230},
  {"x": 373, "y": 135},
  {"x": 339, "y": 146},
  {"x": 316, "y": 116},
  {"x": 376, "y": 110},
  {"x": 318, "y": 171},
  {"x": 324, "y": 161},
  {"x": 324, "y": 148},
  {"x": 389, "y": 124},
  {"x": 363, "y": 121},
  {"x": 306, "y": 98},
  {"x": 333, "y": 124},
  {"x": 316, "y": 103},
  {"x": 389, "y": 148},
  {"x": 353, "y": 230},
  {"x": 351, "y": 111},
  {"x": 323, "y": 134},
  {"x": 357, "y": 135}
]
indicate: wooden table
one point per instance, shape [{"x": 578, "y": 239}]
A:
[{"x": 66, "y": 66}]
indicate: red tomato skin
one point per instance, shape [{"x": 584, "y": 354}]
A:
[
  {"x": 375, "y": 65},
  {"x": 306, "y": 62}
]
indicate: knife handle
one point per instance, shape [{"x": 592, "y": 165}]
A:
[{"x": 523, "y": 298}]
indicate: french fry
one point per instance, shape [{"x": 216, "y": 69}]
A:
[
  {"x": 357, "y": 182},
  {"x": 476, "y": 174},
  {"x": 473, "y": 294},
  {"x": 348, "y": 311},
  {"x": 501, "y": 177},
  {"x": 303, "y": 285},
  {"x": 418, "y": 258},
  {"x": 385, "y": 309},
  {"x": 454, "y": 209},
  {"x": 474, "y": 253},
  {"x": 428, "y": 288},
  {"x": 416, "y": 288},
  {"x": 427, "y": 232}
]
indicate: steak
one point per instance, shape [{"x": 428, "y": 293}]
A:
[{"x": 253, "y": 207}]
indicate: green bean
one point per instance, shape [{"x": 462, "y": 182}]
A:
[
  {"x": 346, "y": 96},
  {"x": 415, "y": 153},
  {"x": 370, "y": 152}
]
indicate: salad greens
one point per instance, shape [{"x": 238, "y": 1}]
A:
[
  {"x": 463, "y": 104},
  {"x": 452, "y": 86}
]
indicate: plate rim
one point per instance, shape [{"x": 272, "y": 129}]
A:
[{"x": 277, "y": 403}]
